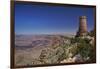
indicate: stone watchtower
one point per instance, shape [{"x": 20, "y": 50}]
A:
[{"x": 82, "y": 31}]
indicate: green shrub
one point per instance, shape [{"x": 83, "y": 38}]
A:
[
  {"x": 84, "y": 48},
  {"x": 91, "y": 33}
]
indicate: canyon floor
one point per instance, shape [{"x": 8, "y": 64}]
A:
[{"x": 51, "y": 49}]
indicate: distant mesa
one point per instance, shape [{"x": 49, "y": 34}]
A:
[{"x": 82, "y": 31}]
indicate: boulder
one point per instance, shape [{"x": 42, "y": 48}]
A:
[{"x": 78, "y": 58}]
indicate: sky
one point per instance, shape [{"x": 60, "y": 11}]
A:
[{"x": 44, "y": 19}]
